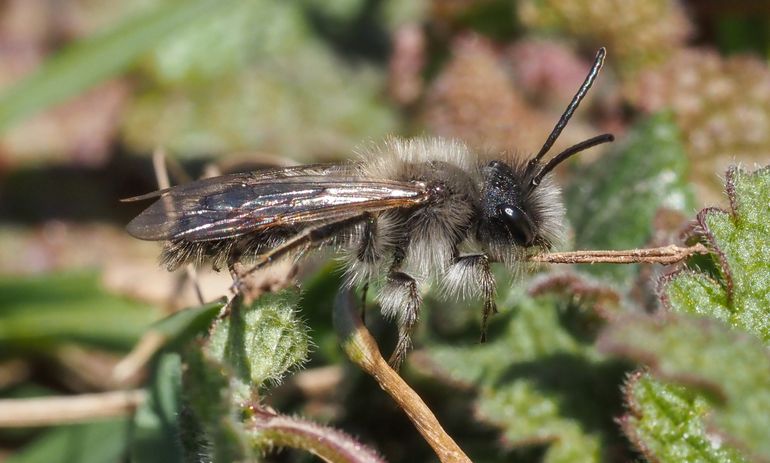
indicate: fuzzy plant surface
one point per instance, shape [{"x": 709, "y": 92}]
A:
[
  {"x": 713, "y": 338},
  {"x": 539, "y": 379},
  {"x": 205, "y": 399}
]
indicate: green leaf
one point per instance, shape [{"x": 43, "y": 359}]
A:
[
  {"x": 698, "y": 294},
  {"x": 741, "y": 237},
  {"x": 155, "y": 427},
  {"x": 665, "y": 423},
  {"x": 41, "y": 312},
  {"x": 260, "y": 342},
  {"x": 528, "y": 415},
  {"x": 216, "y": 409},
  {"x": 245, "y": 78},
  {"x": 182, "y": 326},
  {"x": 225, "y": 41},
  {"x": 731, "y": 367},
  {"x": 537, "y": 380},
  {"x": 612, "y": 202},
  {"x": 97, "y": 442},
  {"x": 97, "y": 58}
]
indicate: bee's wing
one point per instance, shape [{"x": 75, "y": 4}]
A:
[
  {"x": 217, "y": 184},
  {"x": 233, "y": 205}
]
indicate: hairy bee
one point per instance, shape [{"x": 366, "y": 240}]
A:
[{"x": 406, "y": 213}]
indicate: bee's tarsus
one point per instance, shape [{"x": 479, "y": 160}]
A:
[{"x": 364, "y": 292}]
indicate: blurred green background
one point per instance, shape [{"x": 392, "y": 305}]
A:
[{"x": 90, "y": 88}]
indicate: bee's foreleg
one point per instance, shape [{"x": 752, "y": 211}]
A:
[
  {"x": 401, "y": 299},
  {"x": 471, "y": 275}
]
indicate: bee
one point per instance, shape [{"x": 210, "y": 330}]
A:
[{"x": 406, "y": 213}]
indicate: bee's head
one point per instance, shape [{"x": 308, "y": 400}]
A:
[
  {"x": 520, "y": 205},
  {"x": 514, "y": 212}
]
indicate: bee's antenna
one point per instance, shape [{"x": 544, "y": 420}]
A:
[
  {"x": 567, "y": 115},
  {"x": 574, "y": 149}
]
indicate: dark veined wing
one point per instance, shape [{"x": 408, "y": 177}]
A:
[
  {"x": 217, "y": 184},
  {"x": 237, "y": 204}
]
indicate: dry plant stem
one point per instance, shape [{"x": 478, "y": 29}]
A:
[
  {"x": 159, "y": 166},
  {"x": 145, "y": 348},
  {"x": 13, "y": 372},
  {"x": 362, "y": 349},
  {"x": 161, "y": 176},
  {"x": 68, "y": 409},
  {"x": 664, "y": 255},
  {"x": 151, "y": 341}
]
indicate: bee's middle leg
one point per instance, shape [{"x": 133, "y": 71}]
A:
[{"x": 400, "y": 299}]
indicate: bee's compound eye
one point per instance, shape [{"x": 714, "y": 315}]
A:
[{"x": 518, "y": 224}]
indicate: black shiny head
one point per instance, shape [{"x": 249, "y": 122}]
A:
[
  {"x": 507, "y": 215},
  {"x": 516, "y": 209}
]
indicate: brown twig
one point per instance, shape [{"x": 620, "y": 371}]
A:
[
  {"x": 46, "y": 411},
  {"x": 130, "y": 365},
  {"x": 159, "y": 164},
  {"x": 362, "y": 349},
  {"x": 664, "y": 255},
  {"x": 13, "y": 372}
]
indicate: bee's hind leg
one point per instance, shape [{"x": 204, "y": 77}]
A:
[
  {"x": 364, "y": 293},
  {"x": 401, "y": 299}
]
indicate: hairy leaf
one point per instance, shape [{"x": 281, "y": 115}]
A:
[
  {"x": 537, "y": 380},
  {"x": 666, "y": 424},
  {"x": 741, "y": 238},
  {"x": 208, "y": 392},
  {"x": 733, "y": 368},
  {"x": 739, "y": 296},
  {"x": 262, "y": 341},
  {"x": 268, "y": 430}
]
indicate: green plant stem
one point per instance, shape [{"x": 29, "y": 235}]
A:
[{"x": 328, "y": 444}]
